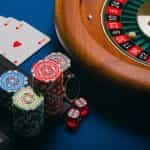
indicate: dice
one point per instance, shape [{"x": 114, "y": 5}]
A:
[
  {"x": 77, "y": 112},
  {"x": 73, "y": 118},
  {"x": 82, "y": 105}
]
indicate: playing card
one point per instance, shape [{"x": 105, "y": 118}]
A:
[
  {"x": 8, "y": 21},
  {"x": 7, "y": 25},
  {"x": 37, "y": 37},
  {"x": 20, "y": 41}
]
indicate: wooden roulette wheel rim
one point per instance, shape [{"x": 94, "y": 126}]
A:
[{"x": 86, "y": 40}]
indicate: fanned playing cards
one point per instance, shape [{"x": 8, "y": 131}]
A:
[{"x": 19, "y": 40}]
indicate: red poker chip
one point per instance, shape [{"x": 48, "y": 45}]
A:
[
  {"x": 46, "y": 71},
  {"x": 55, "y": 95},
  {"x": 53, "y": 101},
  {"x": 53, "y": 112},
  {"x": 57, "y": 109},
  {"x": 54, "y": 105}
]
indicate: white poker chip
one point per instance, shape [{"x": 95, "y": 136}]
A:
[
  {"x": 27, "y": 99},
  {"x": 63, "y": 60}
]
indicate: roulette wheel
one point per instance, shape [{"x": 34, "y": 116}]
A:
[{"x": 110, "y": 37}]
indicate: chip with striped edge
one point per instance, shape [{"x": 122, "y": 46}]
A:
[
  {"x": 27, "y": 99},
  {"x": 63, "y": 60},
  {"x": 46, "y": 71},
  {"x": 12, "y": 80}
]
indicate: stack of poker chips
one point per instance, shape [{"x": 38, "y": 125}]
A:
[
  {"x": 10, "y": 82},
  {"x": 48, "y": 79},
  {"x": 65, "y": 64},
  {"x": 28, "y": 112}
]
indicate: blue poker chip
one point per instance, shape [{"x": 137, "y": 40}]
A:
[{"x": 12, "y": 81}]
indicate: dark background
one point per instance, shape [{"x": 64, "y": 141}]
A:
[{"x": 119, "y": 117}]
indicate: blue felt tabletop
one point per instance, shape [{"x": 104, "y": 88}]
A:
[{"x": 97, "y": 132}]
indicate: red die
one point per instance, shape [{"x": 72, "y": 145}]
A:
[
  {"x": 113, "y": 11},
  {"x": 135, "y": 51},
  {"x": 113, "y": 25},
  {"x": 73, "y": 118},
  {"x": 120, "y": 39},
  {"x": 82, "y": 105}
]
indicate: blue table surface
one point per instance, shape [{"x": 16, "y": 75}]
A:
[{"x": 96, "y": 132}]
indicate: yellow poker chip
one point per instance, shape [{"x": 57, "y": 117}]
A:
[
  {"x": 46, "y": 71},
  {"x": 63, "y": 60},
  {"x": 27, "y": 99}
]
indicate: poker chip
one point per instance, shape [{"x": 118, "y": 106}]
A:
[
  {"x": 12, "y": 81},
  {"x": 63, "y": 60},
  {"x": 46, "y": 71},
  {"x": 54, "y": 105},
  {"x": 27, "y": 99},
  {"x": 28, "y": 112}
]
